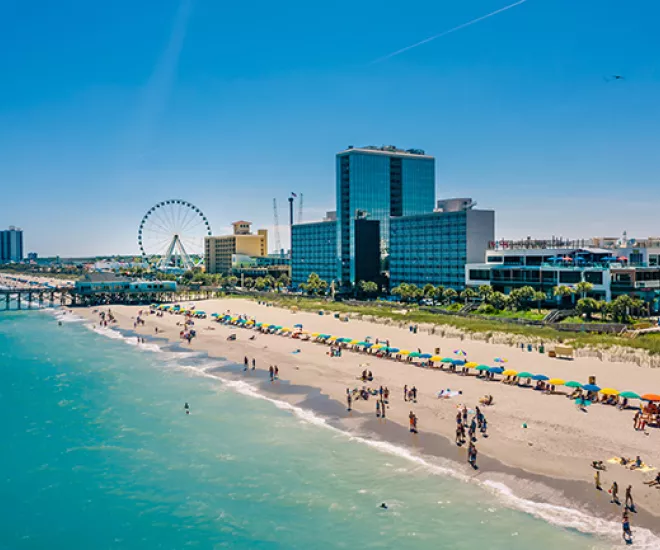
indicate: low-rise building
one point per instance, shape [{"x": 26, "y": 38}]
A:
[
  {"x": 613, "y": 270},
  {"x": 219, "y": 251},
  {"x": 110, "y": 283},
  {"x": 434, "y": 248}
]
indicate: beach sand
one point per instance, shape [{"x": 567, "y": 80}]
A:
[{"x": 541, "y": 446}]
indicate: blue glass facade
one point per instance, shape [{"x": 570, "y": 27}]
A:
[
  {"x": 313, "y": 250},
  {"x": 434, "y": 248},
  {"x": 378, "y": 184}
]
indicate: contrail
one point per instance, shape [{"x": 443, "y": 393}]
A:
[{"x": 445, "y": 33}]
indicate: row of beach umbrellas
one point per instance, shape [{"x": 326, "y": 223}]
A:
[{"x": 436, "y": 358}]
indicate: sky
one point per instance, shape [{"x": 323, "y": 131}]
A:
[{"x": 107, "y": 108}]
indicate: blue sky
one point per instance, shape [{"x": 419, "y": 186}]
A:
[{"x": 109, "y": 107}]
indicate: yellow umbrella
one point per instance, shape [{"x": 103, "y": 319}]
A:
[
  {"x": 315, "y": 334},
  {"x": 471, "y": 365},
  {"x": 378, "y": 346},
  {"x": 556, "y": 382},
  {"x": 265, "y": 325},
  {"x": 333, "y": 338},
  {"x": 510, "y": 372},
  {"x": 436, "y": 358},
  {"x": 353, "y": 342},
  {"x": 404, "y": 352},
  {"x": 286, "y": 329},
  {"x": 609, "y": 391},
  {"x": 304, "y": 332}
]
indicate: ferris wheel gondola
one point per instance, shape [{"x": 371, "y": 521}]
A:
[{"x": 171, "y": 234}]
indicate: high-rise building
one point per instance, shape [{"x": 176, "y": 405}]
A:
[
  {"x": 220, "y": 251},
  {"x": 314, "y": 250},
  {"x": 378, "y": 183},
  {"x": 434, "y": 248},
  {"x": 11, "y": 245}
]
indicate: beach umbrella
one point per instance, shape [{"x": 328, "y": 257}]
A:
[
  {"x": 557, "y": 381},
  {"x": 525, "y": 374},
  {"x": 471, "y": 364},
  {"x": 496, "y": 370},
  {"x": 366, "y": 344},
  {"x": 458, "y": 362},
  {"x": 591, "y": 387},
  {"x": 482, "y": 368},
  {"x": 414, "y": 354},
  {"x": 314, "y": 334},
  {"x": 446, "y": 360},
  {"x": 501, "y": 360},
  {"x": 609, "y": 391},
  {"x": 286, "y": 329},
  {"x": 572, "y": 384},
  {"x": 426, "y": 356},
  {"x": 404, "y": 352},
  {"x": 629, "y": 395},
  {"x": 378, "y": 346},
  {"x": 651, "y": 397},
  {"x": 460, "y": 352},
  {"x": 324, "y": 336},
  {"x": 393, "y": 350},
  {"x": 510, "y": 372},
  {"x": 333, "y": 338},
  {"x": 298, "y": 325},
  {"x": 436, "y": 358},
  {"x": 214, "y": 314},
  {"x": 354, "y": 342},
  {"x": 542, "y": 377}
]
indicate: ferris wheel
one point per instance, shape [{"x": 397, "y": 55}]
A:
[{"x": 171, "y": 234}]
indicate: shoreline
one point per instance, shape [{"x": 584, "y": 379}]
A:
[{"x": 567, "y": 493}]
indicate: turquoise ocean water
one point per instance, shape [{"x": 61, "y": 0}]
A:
[{"x": 98, "y": 454}]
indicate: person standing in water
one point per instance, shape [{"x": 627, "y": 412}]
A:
[
  {"x": 276, "y": 372},
  {"x": 382, "y": 408},
  {"x": 614, "y": 490},
  {"x": 378, "y": 408},
  {"x": 630, "y": 505},
  {"x": 271, "y": 372},
  {"x": 186, "y": 407},
  {"x": 625, "y": 525},
  {"x": 254, "y": 363},
  {"x": 245, "y": 363},
  {"x": 349, "y": 400}
]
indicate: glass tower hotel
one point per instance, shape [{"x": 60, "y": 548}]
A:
[
  {"x": 378, "y": 183},
  {"x": 386, "y": 209}
]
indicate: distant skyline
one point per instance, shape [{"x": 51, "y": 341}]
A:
[{"x": 106, "y": 109}]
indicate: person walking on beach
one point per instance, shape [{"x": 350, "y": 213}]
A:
[
  {"x": 597, "y": 480},
  {"x": 614, "y": 491},
  {"x": 349, "y": 400},
  {"x": 473, "y": 430},
  {"x": 625, "y": 525},
  {"x": 276, "y": 372},
  {"x": 484, "y": 427},
  {"x": 271, "y": 372},
  {"x": 464, "y": 414},
  {"x": 386, "y": 395},
  {"x": 378, "y": 408},
  {"x": 405, "y": 392},
  {"x": 254, "y": 363},
  {"x": 636, "y": 418},
  {"x": 413, "y": 392},
  {"x": 630, "y": 505},
  {"x": 472, "y": 455},
  {"x": 245, "y": 363},
  {"x": 459, "y": 435},
  {"x": 411, "y": 418},
  {"x": 382, "y": 408}
]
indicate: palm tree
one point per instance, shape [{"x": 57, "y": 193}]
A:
[
  {"x": 468, "y": 294},
  {"x": 562, "y": 292},
  {"x": 450, "y": 294},
  {"x": 484, "y": 292},
  {"x": 539, "y": 297},
  {"x": 584, "y": 288}
]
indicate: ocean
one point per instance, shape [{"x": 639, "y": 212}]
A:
[{"x": 98, "y": 453}]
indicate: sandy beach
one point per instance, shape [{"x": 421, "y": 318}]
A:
[{"x": 540, "y": 445}]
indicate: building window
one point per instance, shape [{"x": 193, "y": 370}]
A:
[{"x": 570, "y": 277}]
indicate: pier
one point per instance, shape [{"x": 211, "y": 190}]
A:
[{"x": 40, "y": 297}]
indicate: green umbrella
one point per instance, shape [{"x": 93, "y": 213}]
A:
[
  {"x": 446, "y": 360},
  {"x": 414, "y": 354},
  {"x": 482, "y": 367},
  {"x": 525, "y": 375},
  {"x": 573, "y": 384},
  {"x": 629, "y": 395}
]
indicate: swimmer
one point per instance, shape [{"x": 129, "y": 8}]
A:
[
  {"x": 383, "y": 506},
  {"x": 187, "y": 408}
]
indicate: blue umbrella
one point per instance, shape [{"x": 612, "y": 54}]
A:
[
  {"x": 591, "y": 387},
  {"x": 540, "y": 377},
  {"x": 426, "y": 356},
  {"x": 496, "y": 370},
  {"x": 393, "y": 350},
  {"x": 298, "y": 326},
  {"x": 458, "y": 362}
]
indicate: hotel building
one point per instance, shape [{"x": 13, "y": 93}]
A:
[{"x": 220, "y": 252}]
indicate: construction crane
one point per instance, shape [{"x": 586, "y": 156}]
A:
[
  {"x": 276, "y": 223},
  {"x": 300, "y": 208}
]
